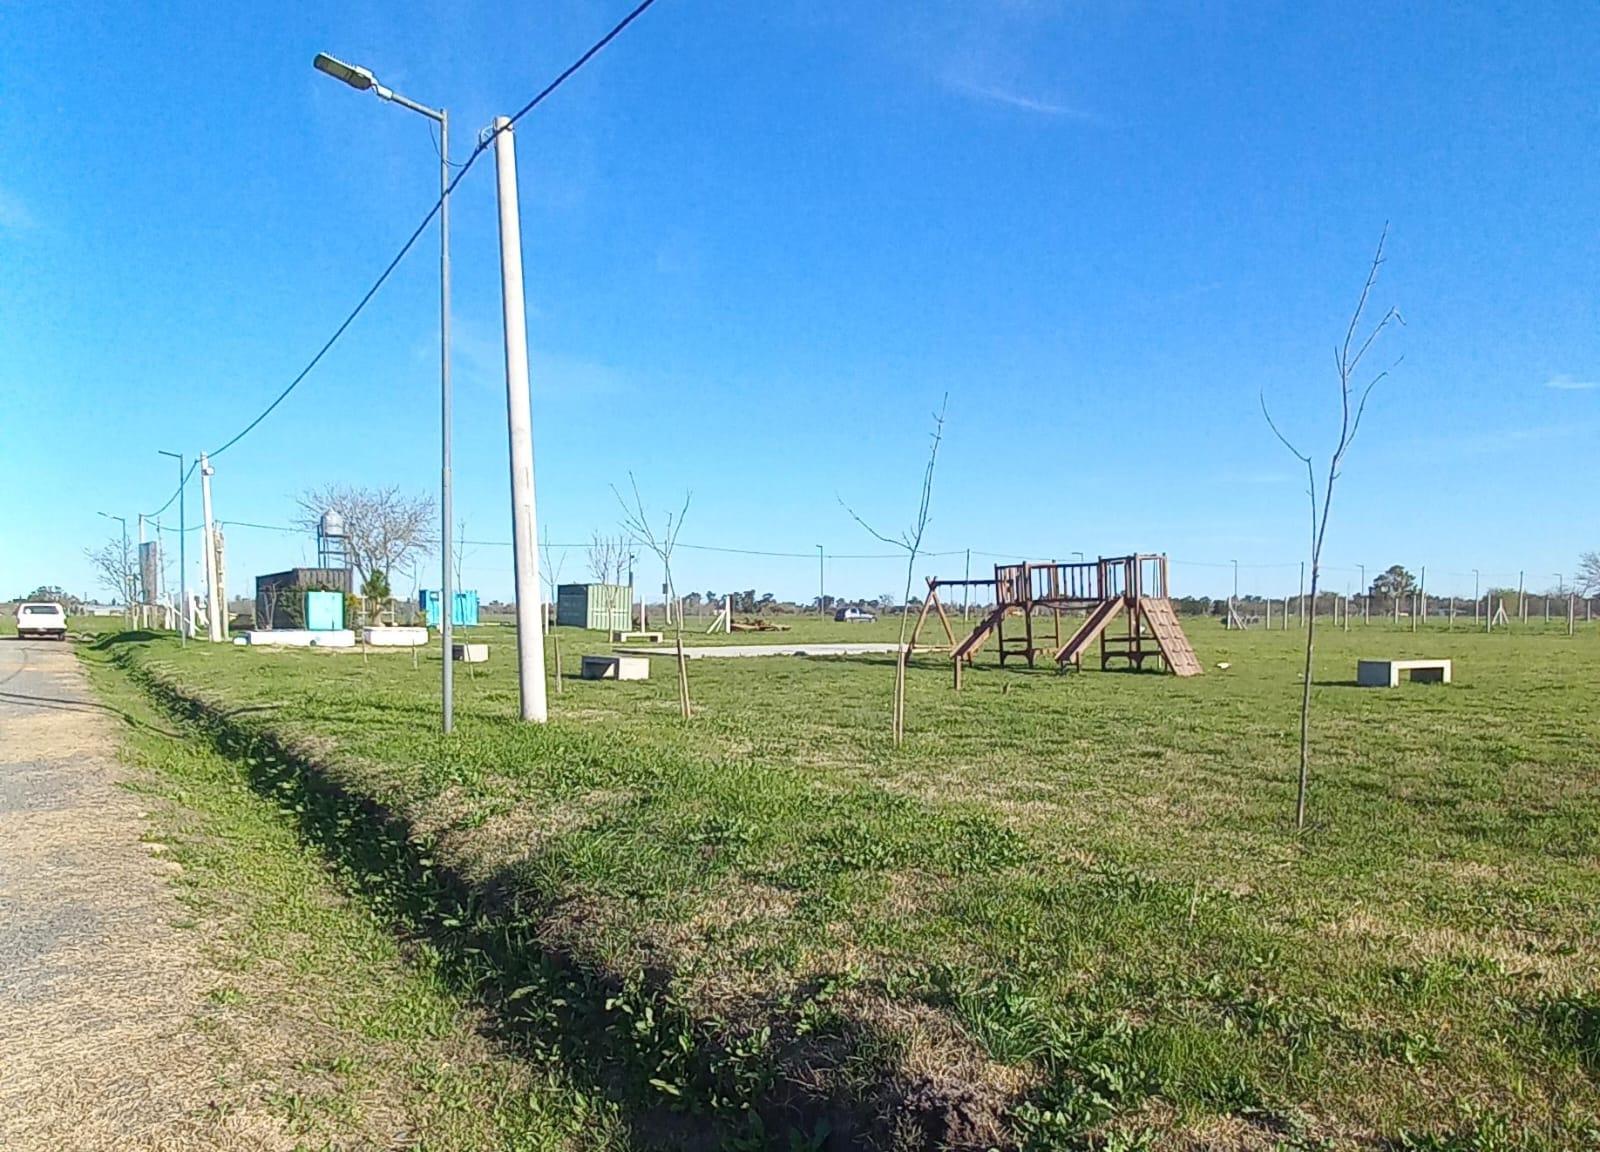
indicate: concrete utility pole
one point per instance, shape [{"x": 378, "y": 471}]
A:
[
  {"x": 1419, "y": 602},
  {"x": 183, "y": 557},
  {"x": 1233, "y": 601},
  {"x": 966, "y": 592},
  {"x": 822, "y": 595},
  {"x": 1522, "y": 601},
  {"x": 144, "y": 593},
  {"x": 1301, "y": 598},
  {"x": 1366, "y": 600},
  {"x": 519, "y": 427},
  {"x": 214, "y": 609},
  {"x": 1475, "y": 594}
]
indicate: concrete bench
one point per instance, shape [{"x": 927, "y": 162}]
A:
[
  {"x": 470, "y": 653},
  {"x": 616, "y": 668},
  {"x": 402, "y": 637},
  {"x": 639, "y": 637},
  {"x": 1386, "y": 673}
]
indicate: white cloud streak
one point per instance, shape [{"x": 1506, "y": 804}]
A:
[
  {"x": 996, "y": 94},
  {"x": 1564, "y": 383}
]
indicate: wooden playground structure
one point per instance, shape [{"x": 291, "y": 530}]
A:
[{"x": 1041, "y": 592}]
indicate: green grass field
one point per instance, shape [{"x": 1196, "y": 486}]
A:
[{"x": 1071, "y": 911}]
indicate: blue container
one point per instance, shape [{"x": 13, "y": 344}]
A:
[
  {"x": 324, "y": 611},
  {"x": 466, "y": 608}
]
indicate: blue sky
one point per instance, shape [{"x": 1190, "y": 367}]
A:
[{"x": 762, "y": 241}]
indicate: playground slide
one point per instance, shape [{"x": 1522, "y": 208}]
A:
[
  {"x": 1094, "y": 624},
  {"x": 969, "y": 647}
]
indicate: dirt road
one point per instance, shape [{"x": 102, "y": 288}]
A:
[{"x": 103, "y": 1005}]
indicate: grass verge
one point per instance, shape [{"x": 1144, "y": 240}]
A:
[
  {"x": 1068, "y": 913},
  {"x": 351, "y": 1037}
]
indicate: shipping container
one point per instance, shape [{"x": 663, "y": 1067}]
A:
[
  {"x": 280, "y": 596},
  {"x": 599, "y": 607},
  {"x": 324, "y": 611},
  {"x": 466, "y": 607}
]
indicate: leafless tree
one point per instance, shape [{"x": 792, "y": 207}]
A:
[
  {"x": 911, "y": 541},
  {"x": 384, "y": 528},
  {"x": 1353, "y": 396},
  {"x": 458, "y": 554},
  {"x": 1588, "y": 578},
  {"x": 636, "y": 523},
  {"x": 550, "y": 573},
  {"x": 608, "y": 557},
  {"x": 115, "y": 567}
]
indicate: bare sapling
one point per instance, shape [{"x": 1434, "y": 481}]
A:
[
  {"x": 1353, "y": 397},
  {"x": 911, "y": 541},
  {"x": 551, "y": 573},
  {"x": 661, "y": 541}
]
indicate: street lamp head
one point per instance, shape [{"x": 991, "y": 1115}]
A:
[{"x": 358, "y": 78}]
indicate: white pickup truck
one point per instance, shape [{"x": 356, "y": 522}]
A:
[{"x": 41, "y": 620}]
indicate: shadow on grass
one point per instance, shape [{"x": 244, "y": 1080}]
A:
[
  {"x": 56, "y": 704},
  {"x": 749, "y": 1079},
  {"x": 108, "y": 640}
]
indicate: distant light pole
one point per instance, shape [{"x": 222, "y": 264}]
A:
[
  {"x": 822, "y": 598},
  {"x": 363, "y": 80},
  {"x": 1474, "y": 597},
  {"x": 123, "y": 520},
  {"x": 183, "y": 556},
  {"x": 1365, "y": 597},
  {"x": 1561, "y": 585}
]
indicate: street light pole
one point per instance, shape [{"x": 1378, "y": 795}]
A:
[
  {"x": 123, "y": 574},
  {"x": 183, "y": 555},
  {"x": 363, "y": 80}
]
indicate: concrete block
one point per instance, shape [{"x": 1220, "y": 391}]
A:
[
  {"x": 616, "y": 668},
  {"x": 395, "y": 637},
  {"x": 302, "y": 638},
  {"x": 1386, "y": 673},
  {"x": 470, "y": 653}
]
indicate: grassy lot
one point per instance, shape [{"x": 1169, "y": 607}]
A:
[
  {"x": 350, "y": 1037},
  {"x": 1070, "y": 911}
]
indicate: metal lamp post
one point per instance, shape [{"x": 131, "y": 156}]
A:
[
  {"x": 183, "y": 558},
  {"x": 127, "y": 608},
  {"x": 363, "y": 80}
]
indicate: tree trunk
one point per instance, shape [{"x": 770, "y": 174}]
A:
[{"x": 1305, "y": 712}]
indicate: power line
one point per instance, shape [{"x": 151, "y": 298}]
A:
[
  {"x": 580, "y": 62},
  {"x": 175, "y": 491},
  {"x": 428, "y": 219}
]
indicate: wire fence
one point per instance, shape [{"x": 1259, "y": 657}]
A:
[{"x": 787, "y": 579}]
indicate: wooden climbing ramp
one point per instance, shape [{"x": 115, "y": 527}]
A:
[{"x": 1037, "y": 595}]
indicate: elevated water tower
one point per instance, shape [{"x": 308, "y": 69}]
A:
[{"x": 333, "y": 546}]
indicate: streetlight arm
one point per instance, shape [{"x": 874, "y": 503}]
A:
[{"x": 437, "y": 115}]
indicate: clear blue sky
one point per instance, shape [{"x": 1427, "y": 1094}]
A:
[{"x": 763, "y": 239}]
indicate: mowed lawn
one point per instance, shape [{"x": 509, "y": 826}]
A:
[{"x": 1075, "y": 902}]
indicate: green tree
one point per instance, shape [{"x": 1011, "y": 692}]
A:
[
  {"x": 1393, "y": 582},
  {"x": 375, "y": 591}
]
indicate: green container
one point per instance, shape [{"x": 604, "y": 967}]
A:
[
  {"x": 599, "y": 607},
  {"x": 324, "y": 611}
]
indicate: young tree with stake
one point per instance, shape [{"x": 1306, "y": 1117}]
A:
[
  {"x": 911, "y": 541},
  {"x": 1352, "y": 406},
  {"x": 637, "y": 524},
  {"x": 550, "y": 572}
]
